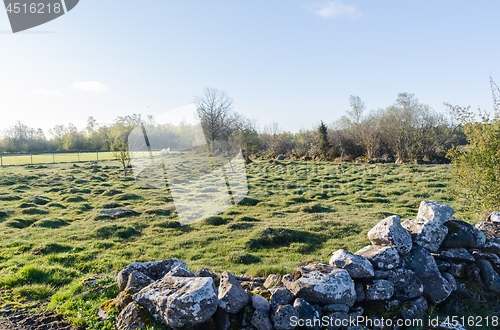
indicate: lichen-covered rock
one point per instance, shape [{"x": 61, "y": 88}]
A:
[
  {"x": 443, "y": 265},
  {"x": 232, "y": 296},
  {"x": 138, "y": 281},
  {"x": 205, "y": 272},
  {"x": 379, "y": 290},
  {"x": 456, "y": 270},
  {"x": 337, "y": 307},
  {"x": 490, "y": 277},
  {"x": 181, "y": 271},
  {"x": 357, "y": 266},
  {"x": 133, "y": 317},
  {"x": 155, "y": 270},
  {"x": 407, "y": 286},
  {"x": 428, "y": 234},
  {"x": 310, "y": 316},
  {"x": 322, "y": 284},
  {"x": 260, "y": 302},
  {"x": 280, "y": 296},
  {"x": 489, "y": 228},
  {"x": 421, "y": 262},
  {"x": 434, "y": 211},
  {"x": 335, "y": 320},
  {"x": 383, "y": 274},
  {"x": 390, "y": 232},
  {"x": 451, "y": 280},
  {"x": 492, "y": 245},
  {"x": 462, "y": 234},
  {"x": 360, "y": 291},
  {"x": 180, "y": 301},
  {"x": 414, "y": 309},
  {"x": 381, "y": 257},
  {"x": 260, "y": 320},
  {"x": 283, "y": 318},
  {"x": 456, "y": 255}
]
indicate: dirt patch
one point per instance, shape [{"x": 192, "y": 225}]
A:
[{"x": 25, "y": 320}]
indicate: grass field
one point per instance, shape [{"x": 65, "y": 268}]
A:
[{"x": 49, "y": 245}]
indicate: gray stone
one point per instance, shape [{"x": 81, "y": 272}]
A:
[
  {"x": 421, "y": 262},
  {"x": 137, "y": 281},
  {"x": 336, "y": 319},
  {"x": 179, "y": 271},
  {"x": 179, "y": 301},
  {"x": 407, "y": 285},
  {"x": 205, "y": 272},
  {"x": 457, "y": 255},
  {"x": 456, "y": 270},
  {"x": 450, "y": 280},
  {"x": 221, "y": 319},
  {"x": 260, "y": 320},
  {"x": 494, "y": 217},
  {"x": 428, "y": 234},
  {"x": 434, "y": 211},
  {"x": 492, "y": 246},
  {"x": 308, "y": 314},
  {"x": 414, "y": 309},
  {"x": 357, "y": 266},
  {"x": 322, "y": 284},
  {"x": 130, "y": 318},
  {"x": 379, "y": 290},
  {"x": 232, "y": 296},
  {"x": 489, "y": 275},
  {"x": 360, "y": 291},
  {"x": 280, "y": 296},
  {"x": 381, "y": 257},
  {"x": 383, "y": 274},
  {"x": 155, "y": 270},
  {"x": 260, "y": 302},
  {"x": 462, "y": 234},
  {"x": 390, "y": 232},
  {"x": 283, "y": 317},
  {"x": 443, "y": 265},
  {"x": 490, "y": 229},
  {"x": 338, "y": 307}
]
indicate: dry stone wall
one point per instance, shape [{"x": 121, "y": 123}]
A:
[{"x": 408, "y": 267}]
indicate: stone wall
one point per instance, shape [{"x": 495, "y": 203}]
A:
[{"x": 408, "y": 267}]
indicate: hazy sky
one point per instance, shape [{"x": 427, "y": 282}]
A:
[{"x": 290, "y": 61}]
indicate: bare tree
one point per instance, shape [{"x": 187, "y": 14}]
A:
[{"x": 215, "y": 109}]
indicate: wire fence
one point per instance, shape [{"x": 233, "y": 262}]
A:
[{"x": 54, "y": 157}]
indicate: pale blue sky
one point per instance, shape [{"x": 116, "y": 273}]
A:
[{"x": 290, "y": 61}]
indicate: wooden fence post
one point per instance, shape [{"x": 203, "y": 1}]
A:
[
  {"x": 53, "y": 158},
  {"x": 31, "y": 159},
  {"x": 97, "y": 151}
]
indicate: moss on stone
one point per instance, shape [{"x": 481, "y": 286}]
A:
[{"x": 453, "y": 227}]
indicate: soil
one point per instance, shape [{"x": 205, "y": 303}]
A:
[{"x": 25, "y": 320}]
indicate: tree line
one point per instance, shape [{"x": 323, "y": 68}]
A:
[{"x": 406, "y": 129}]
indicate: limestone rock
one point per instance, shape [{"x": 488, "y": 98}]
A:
[
  {"x": 360, "y": 291},
  {"x": 379, "y": 290},
  {"x": 181, "y": 271},
  {"x": 155, "y": 270},
  {"x": 451, "y": 280},
  {"x": 308, "y": 314},
  {"x": 180, "y": 301},
  {"x": 280, "y": 296},
  {"x": 381, "y": 257},
  {"x": 462, "y": 234},
  {"x": 357, "y": 266},
  {"x": 457, "y": 255},
  {"x": 421, "y": 262},
  {"x": 434, "y": 211},
  {"x": 232, "y": 296},
  {"x": 428, "y": 234},
  {"x": 414, "y": 309},
  {"x": 490, "y": 277},
  {"x": 336, "y": 308},
  {"x": 492, "y": 245},
  {"x": 322, "y": 284},
  {"x": 272, "y": 281},
  {"x": 133, "y": 317},
  {"x": 138, "y": 281},
  {"x": 407, "y": 286},
  {"x": 390, "y": 232},
  {"x": 261, "y": 321},
  {"x": 260, "y": 302},
  {"x": 283, "y": 317}
]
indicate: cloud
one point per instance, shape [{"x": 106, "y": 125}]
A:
[
  {"x": 333, "y": 9},
  {"x": 45, "y": 92},
  {"x": 89, "y": 86}
]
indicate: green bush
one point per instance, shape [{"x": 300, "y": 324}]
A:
[{"x": 476, "y": 167}]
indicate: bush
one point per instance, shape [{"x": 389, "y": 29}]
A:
[{"x": 476, "y": 168}]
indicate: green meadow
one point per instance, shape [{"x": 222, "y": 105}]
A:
[{"x": 56, "y": 247}]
